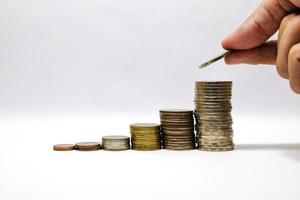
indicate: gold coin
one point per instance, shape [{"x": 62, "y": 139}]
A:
[
  {"x": 214, "y": 82},
  {"x": 144, "y": 126}
]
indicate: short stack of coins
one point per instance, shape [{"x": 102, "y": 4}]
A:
[
  {"x": 115, "y": 142},
  {"x": 177, "y": 129},
  {"x": 88, "y": 146},
  {"x": 145, "y": 136},
  {"x": 213, "y": 116},
  {"x": 63, "y": 147}
]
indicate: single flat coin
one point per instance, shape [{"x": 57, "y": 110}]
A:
[
  {"x": 213, "y": 82},
  {"x": 170, "y": 124},
  {"x": 217, "y": 149},
  {"x": 213, "y": 87},
  {"x": 146, "y": 149},
  {"x": 225, "y": 137},
  {"x": 190, "y": 128},
  {"x": 88, "y": 149},
  {"x": 179, "y": 139},
  {"x": 176, "y": 111},
  {"x": 145, "y": 132},
  {"x": 115, "y": 137},
  {"x": 63, "y": 147},
  {"x": 144, "y": 125},
  {"x": 179, "y": 148},
  {"x": 216, "y": 86}
]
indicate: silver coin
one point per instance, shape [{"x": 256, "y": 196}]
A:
[{"x": 115, "y": 137}]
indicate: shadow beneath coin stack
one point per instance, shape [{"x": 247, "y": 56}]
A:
[
  {"x": 283, "y": 146},
  {"x": 291, "y": 150}
]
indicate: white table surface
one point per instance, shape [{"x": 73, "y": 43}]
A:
[{"x": 265, "y": 164}]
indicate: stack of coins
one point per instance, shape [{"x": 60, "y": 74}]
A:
[
  {"x": 63, "y": 147},
  {"x": 115, "y": 142},
  {"x": 145, "y": 136},
  {"x": 213, "y": 116},
  {"x": 88, "y": 146},
  {"x": 177, "y": 129}
]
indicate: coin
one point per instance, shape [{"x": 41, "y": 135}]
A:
[
  {"x": 63, "y": 147},
  {"x": 144, "y": 127},
  {"x": 214, "y": 82},
  {"x": 88, "y": 146},
  {"x": 177, "y": 126},
  {"x": 229, "y": 148},
  {"x": 213, "y": 115},
  {"x": 115, "y": 142},
  {"x": 178, "y": 148},
  {"x": 176, "y": 111},
  {"x": 145, "y": 136},
  {"x": 115, "y": 137}
]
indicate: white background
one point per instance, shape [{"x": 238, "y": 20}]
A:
[{"x": 77, "y": 70}]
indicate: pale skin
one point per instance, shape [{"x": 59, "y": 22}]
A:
[{"x": 250, "y": 39}]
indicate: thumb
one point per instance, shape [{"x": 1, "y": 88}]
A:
[{"x": 260, "y": 26}]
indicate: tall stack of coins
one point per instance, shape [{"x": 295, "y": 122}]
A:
[
  {"x": 145, "y": 136},
  {"x": 213, "y": 116},
  {"x": 115, "y": 142},
  {"x": 177, "y": 129}
]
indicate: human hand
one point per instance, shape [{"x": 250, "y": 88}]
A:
[{"x": 250, "y": 39}]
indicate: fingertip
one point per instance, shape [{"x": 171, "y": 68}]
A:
[
  {"x": 294, "y": 68},
  {"x": 226, "y": 43},
  {"x": 282, "y": 68},
  {"x": 282, "y": 72},
  {"x": 238, "y": 40},
  {"x": 295, "y": 87}
]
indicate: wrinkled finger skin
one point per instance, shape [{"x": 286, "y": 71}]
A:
[{"x": 250, "y": 45}]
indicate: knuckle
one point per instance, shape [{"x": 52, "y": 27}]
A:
[
  {"x": 294, "y": 53},
  {"x": 287, "y": 18},
  {"x": 294, "y": 22}
]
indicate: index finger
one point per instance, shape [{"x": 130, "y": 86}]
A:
[{"x": 260, "y": 26}]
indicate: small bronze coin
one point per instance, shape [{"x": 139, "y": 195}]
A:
[{"x": 63, "y": 147}]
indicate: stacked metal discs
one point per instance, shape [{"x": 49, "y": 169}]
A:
[
  {"x": 213, "y": 116},
  {"x": 177, "y": 129},
  {"x": 63, "y": 147},
  {"x": 88, "y": 146},
  {"x": 115, "y": 142},
  {"x": 145, "y": 136}
]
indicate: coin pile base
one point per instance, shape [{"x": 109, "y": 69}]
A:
[
  {"x": 145, "y": 136},
  {"x": 115, "y": 143},
  {"x": 213, "y": 116},
  {"x": 177, "y": 129}
]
